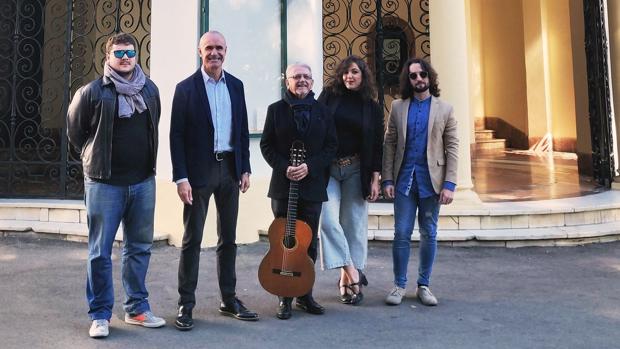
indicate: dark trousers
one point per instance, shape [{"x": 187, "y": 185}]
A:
[
  {"x": 225, "y": 189},
  {"x": 307, "y": 211}
]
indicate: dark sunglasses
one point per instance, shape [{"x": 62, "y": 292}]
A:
[
  {"x": 121, "y": 53},
  {"x": 422, "y": 74}
]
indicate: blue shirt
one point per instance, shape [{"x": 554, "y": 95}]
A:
[
  {"x": 221, "y": 111},
  {"x": 414, "y": 173}
]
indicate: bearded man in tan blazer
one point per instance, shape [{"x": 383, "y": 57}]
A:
[{"x": 420, "y": 154}]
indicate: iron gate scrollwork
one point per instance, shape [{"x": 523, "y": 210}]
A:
[
  {"x": 383, "y": 32},
  {"x": 598, "y": 91},
  {"x": 52, "y": 48}
]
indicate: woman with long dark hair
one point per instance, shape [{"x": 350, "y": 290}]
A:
[{"x": 354, "y": 175}]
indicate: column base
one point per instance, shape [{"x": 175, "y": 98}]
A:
[{"x": 466, "y": 199}]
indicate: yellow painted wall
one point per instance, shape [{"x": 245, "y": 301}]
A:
[
  {"x": 535, "y": 70},
  {"x": 503, "y": 59},
  {"x": 476, "y": 70},
  {"x": 613, "y": 12},
  {"x": 580, "y": 81},
  {"x": 562, "y": 92}
]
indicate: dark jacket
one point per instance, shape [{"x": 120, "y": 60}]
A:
[
  {"x": 191, "y": 130},
  {"x": 90, "y": 123},
  {"x": 372, "y": 136},
  {"x": 320, "y": 142}
]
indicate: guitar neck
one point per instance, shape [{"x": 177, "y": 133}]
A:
[{"x": 291, "y": 212}]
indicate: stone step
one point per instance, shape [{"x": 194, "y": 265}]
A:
[
  {"x": 484, "y": 134},
  {"x": 497, "y": 144},
  {"x": 63, "y": 231},
  {"x": 64, "y": 218},
  {"x": 554, "y": 236}
]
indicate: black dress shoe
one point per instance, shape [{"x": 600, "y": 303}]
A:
[
  {"x": 184, "y": 320},
  {"x": 309, "y": 305},
  {"x": 284, "y": 308},
  {"x": 236, "y": 309}
]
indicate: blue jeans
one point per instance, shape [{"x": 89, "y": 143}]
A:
[
  {"x": 405, "y": 208},
  {"x": 106, "y": 207},
  {"x": 344, "y": 220}
]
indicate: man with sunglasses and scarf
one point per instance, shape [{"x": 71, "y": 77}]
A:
[
  {"x": 420, "y": 155},
  {"x": 113, "y": 122}
]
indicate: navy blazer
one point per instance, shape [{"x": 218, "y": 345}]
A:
[{"x": 191, "y": 130}]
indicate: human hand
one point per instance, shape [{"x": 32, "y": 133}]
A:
[{"x": 184, "y": 190}]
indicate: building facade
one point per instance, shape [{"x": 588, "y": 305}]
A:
[{"x": 517, "y": 66}]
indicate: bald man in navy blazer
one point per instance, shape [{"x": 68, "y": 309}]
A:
[{"x": 209, "y": 144}]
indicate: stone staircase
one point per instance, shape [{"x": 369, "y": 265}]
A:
[
  {"x": 560, "y": 222},
  {"x": 485, "y": 139}
]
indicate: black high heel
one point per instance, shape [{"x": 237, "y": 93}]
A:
[
  {"x": 362, "y": 277},
  {"x": 346, "y": 297},
  {"x": 356, "y": 297}
]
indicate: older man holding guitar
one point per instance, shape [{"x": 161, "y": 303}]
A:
[{"x": 297, "y": 118}]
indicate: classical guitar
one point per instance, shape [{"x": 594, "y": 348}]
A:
[{"x": 286, "y": 269}]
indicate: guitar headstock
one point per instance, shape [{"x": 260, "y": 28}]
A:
[{"x": 297, "y": 153}]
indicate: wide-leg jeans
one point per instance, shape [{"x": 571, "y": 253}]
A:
[
  {"x": 405, "y": 208},
  {"x": 107, "y": 206},
  {"x": 344, "y": 221}
]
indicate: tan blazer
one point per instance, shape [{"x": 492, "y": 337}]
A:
[{"x": 441, "y": 148}]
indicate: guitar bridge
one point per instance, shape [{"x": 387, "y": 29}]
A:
[{"x": 286, "y": 272}]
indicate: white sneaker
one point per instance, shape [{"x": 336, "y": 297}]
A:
[
  {"x": 99, "y": 328},
  {"x": 395, "y": 297},
  {"x": 146, "y": 319},
  {"x": 426, "y": 296}
]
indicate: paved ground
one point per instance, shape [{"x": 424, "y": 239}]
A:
[{"x": 489, "y": 298}]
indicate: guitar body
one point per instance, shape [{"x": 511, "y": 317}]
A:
[{"x": 287, "y": 272}]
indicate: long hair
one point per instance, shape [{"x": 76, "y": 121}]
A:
[
  {"x": 367, "y": 87},
  {"x": 406, "y": 89}
]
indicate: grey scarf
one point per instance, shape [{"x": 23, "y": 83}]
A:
[{"x": 129, "y": 97}]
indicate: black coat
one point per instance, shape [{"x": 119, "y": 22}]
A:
[
  {"x": 191, "y": 130},
  {"x": 90, "y": 124},
  {"x": 372, "y": 136},
  {"x": 320, "y": 142}
]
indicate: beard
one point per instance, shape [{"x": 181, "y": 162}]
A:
[{"x": 419, "y": 88}]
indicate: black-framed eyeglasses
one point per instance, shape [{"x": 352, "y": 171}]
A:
[
  {"x": 298, "y": 77},
  {"x": 423, "y": 75},
  {"x": 121, "y": 53}
]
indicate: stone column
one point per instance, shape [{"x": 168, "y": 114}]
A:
[
  {"x": 450, "y": 57},
  {"x": 174, "y": 56}
]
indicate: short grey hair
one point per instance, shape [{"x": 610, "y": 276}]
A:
[
  {"x": 297, "y": 64},
  {"x": 212, "y": 32}
]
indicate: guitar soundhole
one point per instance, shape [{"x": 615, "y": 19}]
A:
[{"x": 288, "y": 241}]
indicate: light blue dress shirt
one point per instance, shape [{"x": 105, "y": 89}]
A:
[{"x": 221, "y": 111}]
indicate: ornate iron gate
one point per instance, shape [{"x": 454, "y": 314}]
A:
[
  {"x": 385, "y": 33},
  {"x": 51, "y": 48},
  {"x": 598, "y": 91}
]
